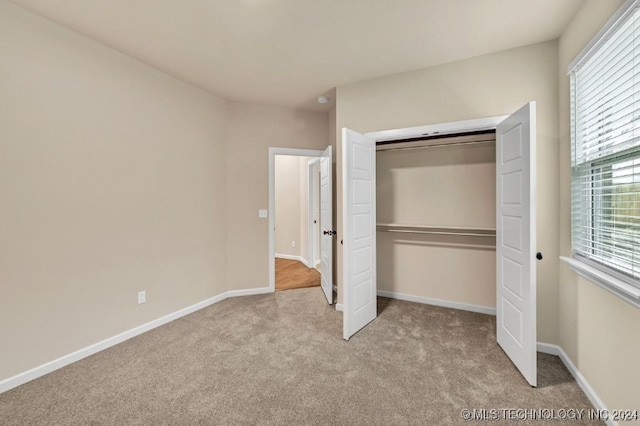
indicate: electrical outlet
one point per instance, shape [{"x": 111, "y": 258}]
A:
[
  {"x": 142, "y": 296},
  {"x": 293, "y": 243}
]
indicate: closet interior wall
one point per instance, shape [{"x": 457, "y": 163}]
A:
[{"x": 436, "y": 209}]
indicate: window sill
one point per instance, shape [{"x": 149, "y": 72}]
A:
[{"x": 612, "y": 284}]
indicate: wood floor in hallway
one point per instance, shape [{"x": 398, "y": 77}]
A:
[{"x": 292, "y": 274}]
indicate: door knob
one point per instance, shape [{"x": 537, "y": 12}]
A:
[{"x": 539, "y": 256}]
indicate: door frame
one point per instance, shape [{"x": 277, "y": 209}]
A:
[
  {"x": 488, "y": 123},
  {"x": 314, "y": 185},
  {"x": 273, "y": 151}
]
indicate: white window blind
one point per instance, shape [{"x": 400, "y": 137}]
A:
[{"x": 605, "y": 115}]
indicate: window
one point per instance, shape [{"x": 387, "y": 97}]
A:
[{"x": 605, "y": 156}]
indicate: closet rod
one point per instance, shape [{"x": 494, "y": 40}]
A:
[
  {"x": 405, "y": 148},
  {"x": 462, "y": 234}
]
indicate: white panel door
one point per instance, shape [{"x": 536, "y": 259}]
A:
[
  {"x": 516, "y": 239},
  {"x": 326, "y": 224},
  {"x": 359, "y": 231}
]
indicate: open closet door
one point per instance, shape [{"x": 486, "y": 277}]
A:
[
  {"x": 359, "y": 231},
  {"x": 326, "y": 224},
  {"x": 516, "y": 239}
]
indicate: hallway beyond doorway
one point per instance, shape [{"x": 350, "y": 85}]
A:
[{"x": 292, "y": 274}]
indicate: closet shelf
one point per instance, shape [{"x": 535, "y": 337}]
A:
[
  {"x": 438, "y": 141},
  {"x": 436, "y": 230}
]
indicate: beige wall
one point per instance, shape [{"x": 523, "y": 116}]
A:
[
  {"x": 287, "y": 202},
  {"x": 441, "y": 187},
  {"x": 112, "y": 181},
  {"x": 490, "y": 85},
  {"x": 252, "y": 130},
  {"x": 599, "y": 331},
  {"x": 116, "y": 178}
]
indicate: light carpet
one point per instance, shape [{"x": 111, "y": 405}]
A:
[{"x": 279, "y": 359}]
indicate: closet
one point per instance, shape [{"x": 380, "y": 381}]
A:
[
  {"x": 449, "y": 221},
  {"x": 436, "y": 219}
]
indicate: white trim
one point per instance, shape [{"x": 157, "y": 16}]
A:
[
  {"x": 36, "y": 372},
  {"x": 437, "y": 302},
  {"x": 548, "y": 348},
  {"x": 488, "y": 123},
  {"x": 293, "y": 257},
  {"x": 249, "y": 292},
  {"x": 312, "y": 237},
  {"x": 577, "y": 375},
  {"x": 603, "y": 35},
  {"x": 65, "y": 360},
  {"x": 608, "y": 282},
  {"x": 273, "y": 151},
  {"x": 339, "y": 307}
]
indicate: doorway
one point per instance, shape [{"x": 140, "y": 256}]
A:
[
  {"x": 315, "y": 236},
  {"x": 294, "y": 217}
]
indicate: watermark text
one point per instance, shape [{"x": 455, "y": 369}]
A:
[{"x": 547, "y": 414}]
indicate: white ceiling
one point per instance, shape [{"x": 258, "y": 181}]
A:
[{"x": 287, "y": 52}]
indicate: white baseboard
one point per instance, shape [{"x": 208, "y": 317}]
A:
[
  {"x": 339, "y": 307},
  {"x": 318, "y": 262},
  {"x": 249, "y": 292},
  {"x": 65, "y": 360},
  {"x": 580, "y": 379},
  {"x": 547, "y": 348},
  {"x": 293, "y": 257},
  {"x": 437, "y": 302},
  {"x": 288, "y": 256}
]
